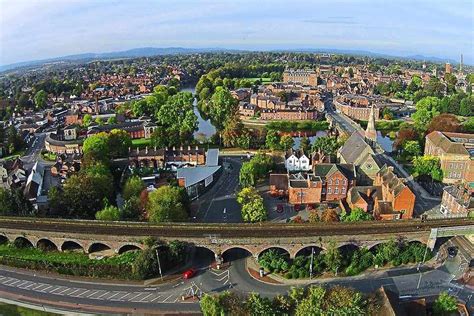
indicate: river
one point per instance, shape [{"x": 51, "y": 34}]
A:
[{"x": 205, "y": 127}]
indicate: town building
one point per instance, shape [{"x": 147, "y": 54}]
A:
[
  {"x": 12, "y": 174},
  {"x": 398, "y": 201},
  {"x": 357, "y": 107},
  {"x": 296, "y": 160},
  {"x": 456, "y": 154},
  {"x": 457, "y": 201},
  {"x": 167, "y": 158},
  {"x": 303, "y": 76}
]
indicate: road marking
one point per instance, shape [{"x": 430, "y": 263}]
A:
[
  {"x": 123, "y": 297},
  {"x": 29, "y": 285},
  {"x": 106, "y": 292},
  {"x": 113, "y": 295},
  {"x": 62, "y": 292},
  {"x": 45, "y": 289},
  {"x": 150, "y": 288},
  {"x": 167, "y": 298},
  {"x": 76, "y": 290},
  {"x": 143, "y": 299},
  {"x": 36, "y": 288},
  {"x": 176, "y": 285},
  {"x": 93, "y": 293},
  {"x": 132, "y": 298},
  {"x": 118, "y": 298},
  {"x": 59, "y": 287},
  {"x": 84, "y": 293},
  {"x": 156, "y": 298}
]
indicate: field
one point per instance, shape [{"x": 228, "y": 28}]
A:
[
  {"x": 263, "y": 80},
  {"x": 141, "y": 142}
]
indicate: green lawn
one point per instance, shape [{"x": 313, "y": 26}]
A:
[
  {"x": 14, "y": 155},
  {"x": 141, "y": 142},
  {"x": 13, "y": 310},
  {"x": 263, "y": 80},
  {"x": 49, "y": 156}
]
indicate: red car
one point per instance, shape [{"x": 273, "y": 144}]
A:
[{"x": 188, "y": 274}]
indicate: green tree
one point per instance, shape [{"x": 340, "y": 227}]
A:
[
  {"x": 305, "y": 144},
  {"x": 325, "y": 147},
  {"x": 211, "y": 306},
  {"x": 159, "y": 137},
  {"x": 13, "y": 202},
  {"x": 119, "y": 142},
  {"x": 41, "y": 99},
  {"x": 312, "y": 304},
  {"x": 108, "y": 213},
  {"x": 112, "y": 120},
  {"x": 258, "y": 305},
  {"x": 96, "y": 148},
  {"x": 428, "y": 165},
  {"x": 286, "y": 142},
  {"x": 426, "y": 109},
  {"x": 467, "y": 106},
  {"x": 412, "y": 147},
  {"x": 272, "y": 140},
  {"x": 253, "y": 209},
  {"x": 167, "y": 204},
  {"x": 222, "y": 105},
  {"x": 247, "y": 175},
  {"x": 133, "y": 187},
  {"x": 445, "y": 304},
  {"x": 356, "y": 215},
  {"x": 14, "y": 140},
  {"x": 87, "y": 120},
  {"x": 333, "y": 257}
]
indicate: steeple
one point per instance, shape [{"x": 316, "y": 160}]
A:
[{"x": 370, "y": 132}]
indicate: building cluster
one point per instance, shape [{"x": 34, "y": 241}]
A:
[
  {"x": 358, "y": 180},
  {"x": 281, "y": 101}
]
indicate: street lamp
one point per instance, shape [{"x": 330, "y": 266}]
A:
[{"x": 311, "y": 264}]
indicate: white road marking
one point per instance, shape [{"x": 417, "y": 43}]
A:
[
  {"x": 21, "y": 284},
  {"x": 62, "y": 292},
  {"x": 167, "y": 298},
  {"x": 120, "y": 297},
  {"x": 87, "y": 291},
  {"x": 92, "y": 293},
  {"x": 58, "y": 288},
  {"x": 36, "y": 288},
  {"x": 123, "y": 297},
  {"x": 106, "y": 292},
  {"x": 113, "y": 295},
  {"x": 143, "y": 299},
  {"x": 155, "y": 298},
  {"x": 76, "y": 290},
  {"x": 131, "y": 299},
  {"x": 45, "y": 289}
]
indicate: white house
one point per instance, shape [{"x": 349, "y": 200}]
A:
[{"x": 297, "y": 161}]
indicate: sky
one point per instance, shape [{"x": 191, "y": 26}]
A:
[{"x": 39, "y": 29}]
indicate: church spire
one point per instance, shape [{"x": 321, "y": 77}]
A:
[{"x": 370, "y": 132}]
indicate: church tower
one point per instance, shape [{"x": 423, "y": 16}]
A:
[{"x": 370, "y": 132}]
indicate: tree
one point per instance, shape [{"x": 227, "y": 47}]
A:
[
  {"x": 405, "y": 134},
  {"x": 333, "y": 257},
  {"x": 312, "y": 304},
  {"x": 305, "y": 144},
  {"x": 258, "y": 305},
  {"x": 108, "y": 213},
  {"x": 96, "y": 148},
  {"x": 445, "y": 304},
  {"x": 426, "y": 109},
  {"x": 253, "y": 209},
  {"x": 133, "y": 187},
  {"x": 444, "y": 123},
  {"x": 286, "y": 142},
  {"x": 467, "y": 106},
  {"x": 325, "y": 147},
  {"x": 211, "y": 306},
  {"x": 356, "y": 215},
  {"x": 159, "y": 137},
  {"x": 87, "y": 120},
  {"x": 119, "y": 143},
  {"x": 167, "y": 204},
  {"x": 112, "y": 120},
  {"x": 41, "y": 99},
  {"x": 232, "y": 131},
  {"x": 428, "y": 165},
  {"x": 341, "y": 300},
  {"x": 412, "y": 147},
  {"x": 329, "y": 215},
  {"x": 221, "y": 106},
  {"x": 247, "y": 175},
  {"x": 13, "y": 202},
  {"x": 14, "y": 140},
  {"x": 272, "y": 140}
]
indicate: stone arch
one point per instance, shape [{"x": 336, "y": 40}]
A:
[
  {"x": 273, "y": 247},
  {"x": 23, "y": 242},
  {"x": 3, "y": 239},
  {"x": 128, "y": 247},
  {"x": 231, "y": 247},
  {"x": 307, "y": 248},
  {"x": 46, "y": 244},
  {"x": 71, "y": 245},
  {"x": 98, "y": 246},
  {"x": 348, "y": 248},
  {"x": 235, "y": 252}
]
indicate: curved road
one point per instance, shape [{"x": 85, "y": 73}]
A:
[{"x": 95, "y": 297}]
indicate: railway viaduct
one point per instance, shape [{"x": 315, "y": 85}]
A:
[{"x": 92, "y": 236}]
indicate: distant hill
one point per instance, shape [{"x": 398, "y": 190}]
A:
[{"x": 155, "y": 51}]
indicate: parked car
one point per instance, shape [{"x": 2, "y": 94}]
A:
[
  {"x": 188, "y": 274},
  {"x": 279, "y": 208}
]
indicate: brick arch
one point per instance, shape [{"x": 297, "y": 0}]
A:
[
  {"x": 72, "y": 245},
  {"x": 261, "y": 250},
  {"x": 4, "y": 239},
  {"x": 47, "y": 243},
  {"x": 128, "y": 247},
  {"x": 98, "y": 246},
  {"x": 295, "y": 250},
  {"x": 243, "y": 247},
  {"x": 24, "y": 239}
]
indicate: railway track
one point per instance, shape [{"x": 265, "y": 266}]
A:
[{"x": 226, "y": 230}]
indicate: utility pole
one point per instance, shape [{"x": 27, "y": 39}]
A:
[
  {"x": 311, "y": 264},
  {"x": 159, "y": 264}
]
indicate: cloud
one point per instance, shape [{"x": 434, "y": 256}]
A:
[{"x": 342, "y": 20}]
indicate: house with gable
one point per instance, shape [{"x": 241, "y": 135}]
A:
[
  {"x": 296, "y": 160},
  {"x": 358, "y": 152}
]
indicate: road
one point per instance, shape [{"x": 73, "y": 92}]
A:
[
  {"x": 219, "y": 204},
  {"x": 114, "y": 298},
  {"x": 33, "y": 153}
]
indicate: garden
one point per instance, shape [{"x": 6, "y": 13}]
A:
[{"x": 343, "y": 261}]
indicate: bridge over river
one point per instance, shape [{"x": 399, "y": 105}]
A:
[{"x": 91, "y": 236}]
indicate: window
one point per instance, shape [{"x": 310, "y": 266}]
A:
[
  {"x": 330, "y": 182},
  {"x": 343, "y": 190},
  {"x": 336, "y": 191},
  {"x": 329, "y": 190},
  {"x": 344, "y": 181},
  {"x": 337, "y": 181}
]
